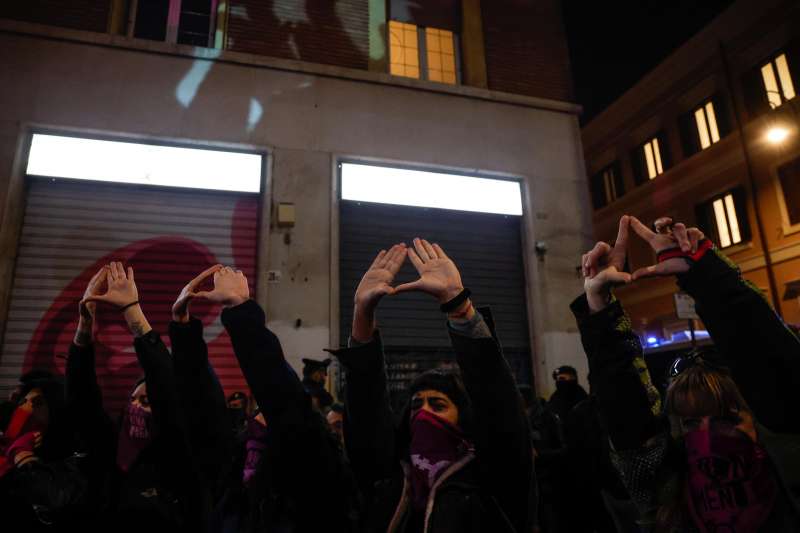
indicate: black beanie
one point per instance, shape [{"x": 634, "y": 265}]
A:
[{"x": 449, "y": 383}]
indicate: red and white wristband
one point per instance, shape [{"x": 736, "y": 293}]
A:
[{"x": 670, "y": 253}]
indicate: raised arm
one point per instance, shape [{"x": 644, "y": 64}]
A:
[
  {"x": 151, "y": 352},
  {"x": 369, "y": 422},
  {"x": 274, "y": 384},
  {"x": 501, "y": 434},
  {"x": 761, "y": 352},
  {"x": 619, "y": 377},
  {"x": 83, "y": 397},
  {"x": 201, "y": 395}
]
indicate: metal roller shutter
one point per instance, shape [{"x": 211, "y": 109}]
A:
[
  {"x": 488, "y": 251},
  {"x": 71, "y": 228}
]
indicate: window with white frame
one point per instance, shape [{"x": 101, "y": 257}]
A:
[
  {"x": 607, "y": 186},
  {"x": 175, "y": 21},
  {"x": 725, "y": 218},
  {"x": 654, "y": 165},
  {"x": 777, "y": 81},
  {"x": 423, "y": 53},
  {"x": 706, "y": 121}
]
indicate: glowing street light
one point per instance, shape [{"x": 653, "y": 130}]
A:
[{"x": 777, "y": 134}]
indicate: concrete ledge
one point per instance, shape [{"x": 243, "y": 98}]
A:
[{"x": 253, "y": 60}]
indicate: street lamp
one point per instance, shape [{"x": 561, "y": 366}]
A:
[
  {"x": 777, "y": 134},
  {"x": 778, "y": 129}
]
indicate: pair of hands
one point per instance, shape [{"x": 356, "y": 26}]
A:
[
  {"x": 230, "y": 288},
  {"x": 438, "y": 276},
  {"x": 604, "y": 265}
]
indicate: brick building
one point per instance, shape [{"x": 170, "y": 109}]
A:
[
  {"x": 460, "y": 88},
  {"x": 710, "y": 136}
]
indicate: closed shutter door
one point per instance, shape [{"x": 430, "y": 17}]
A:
[
  {"x": 486, "y": 248},
  {"x": 72, "y": 228}
]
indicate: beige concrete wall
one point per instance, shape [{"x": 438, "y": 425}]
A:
[{"x": 307, "y": 121}]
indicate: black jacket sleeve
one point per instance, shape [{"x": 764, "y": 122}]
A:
[
  {"x": 202, "y": 400},
  {"x": 369, "y": 430},
  {"x": 627, "y": 401},
  {"x": 501, "y": 433},
  {"x": 159, "y": 372},
  {"x": 304, "y": 459},
  {"x": 274, "y": 383},
  {"x": 761, "y": 352},
  {"x": 84, "y": 402}
]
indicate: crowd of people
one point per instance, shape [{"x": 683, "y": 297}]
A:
[{"x": 471, "y": 450}]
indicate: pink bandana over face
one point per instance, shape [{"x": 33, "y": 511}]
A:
[
  {"x": 254, "y": 450},
  {"x": 134, "y": 436},
  {"x": 435, "y": 445},
  {"x": 730, "y": 485}
]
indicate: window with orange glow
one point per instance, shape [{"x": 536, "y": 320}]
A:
[
  {"x": 423, "y": 53},
  {"x": 777, "y": 81},
  {"x": 403, "y": 49}
]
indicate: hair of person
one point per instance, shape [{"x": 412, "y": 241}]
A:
[
  {"x": 702, "y": 390},
  {"x": 448, "y": 382},
  {"x": 338, "y": 408}
]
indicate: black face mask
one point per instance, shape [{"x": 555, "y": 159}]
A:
[
  {"x": 237, "y": 415},
  {"x": 567, "y": 387}
]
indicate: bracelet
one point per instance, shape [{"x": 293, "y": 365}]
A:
[
  {"x": 463, "y": 314},
  {"x": 124, "y": 307},
  {"x": 456, "y": 302},
  {"x": 704, "y": 246}
]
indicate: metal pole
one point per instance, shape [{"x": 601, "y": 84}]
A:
[{"x": 773, "y": 286}]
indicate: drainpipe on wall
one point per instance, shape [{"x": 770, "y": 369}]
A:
[{"x": 773, "y": 286}]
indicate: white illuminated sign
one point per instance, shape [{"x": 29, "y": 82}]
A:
[
  {"x": 399, "y": 186},
  {"x": 126, "y": 162}
]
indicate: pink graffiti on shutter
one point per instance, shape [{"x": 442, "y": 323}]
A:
[{"x": 162, "y": 266}]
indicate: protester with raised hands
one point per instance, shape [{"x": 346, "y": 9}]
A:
[
  {"x": 711, "y": 465},
  {"x": 461, "y": 458},
  {"x": 202, "y": 400},
  {"x": 154, "y": 485},
  {"x": 44, "y": 477},
  {"x": 294, "y": 476}
]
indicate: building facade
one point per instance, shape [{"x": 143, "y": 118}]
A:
[
  {"x": 710, "y": 137},
  {"x": 463, "y": 87}
]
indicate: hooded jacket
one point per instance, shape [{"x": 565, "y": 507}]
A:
[
  {"x": 762, "y": 355},
  {"x": 490, "y": 490},
  {"x": 50, "y": 493}
]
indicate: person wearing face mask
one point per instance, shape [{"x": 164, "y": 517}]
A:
[
  {"x": 723, "y": 456},
  {"x": 237, "y": 410},
  {"x": 151, "y": 482},
  {"x": 568, "y": 392},
  {"x": 461, "y": 457},
  {"x": 43, "y": 472}
]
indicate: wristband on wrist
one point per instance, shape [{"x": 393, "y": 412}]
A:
[
  {"x": 703, "y": 246},
  {"x": 124, "y": 307},
  {"x": 455, "y": 303},
  {"x": 461, "y": 315}
]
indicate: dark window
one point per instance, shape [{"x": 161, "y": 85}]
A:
[
  {"x": 789, "y": 175},
  {"x": 723, "y": 218},
  {"x": 151, "y": 19},
  {"x": 607, "y": 186},
  {"x": 195, "y": 22}
]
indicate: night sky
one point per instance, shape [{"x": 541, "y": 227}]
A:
[{"x": 614, "y": 43}]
